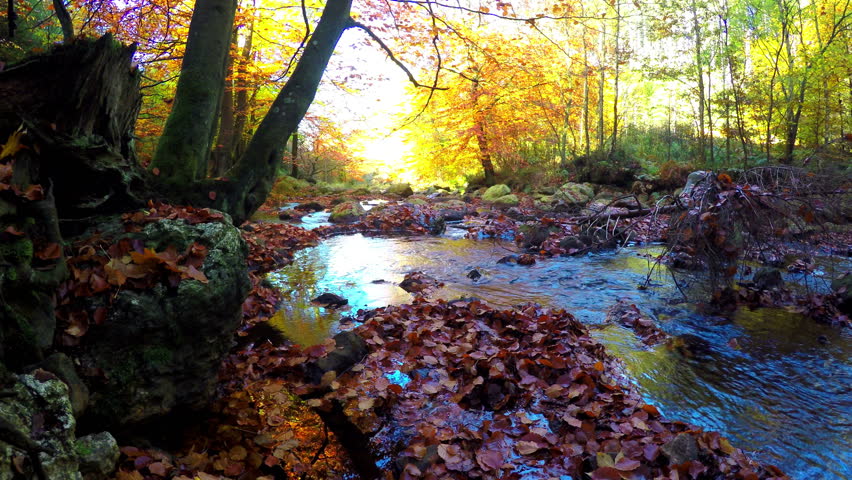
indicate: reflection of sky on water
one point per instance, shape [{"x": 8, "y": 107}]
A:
[{"x": 781, "y": 394}]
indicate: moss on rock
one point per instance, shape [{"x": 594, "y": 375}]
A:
[{"x": 495, "y": 192}]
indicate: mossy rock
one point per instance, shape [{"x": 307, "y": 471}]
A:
[
  {"x": 575, "y": 193},
  {"x": 46, "y": 399},
  {"x": 160, "y": 348},
  {"x": 400, "y": 190},
  {"x": 495, "y": 192},
  {"x": 507, "y": 200},
  {"x": 346, "y": 212},
  {"x": 98, "y": 454}
]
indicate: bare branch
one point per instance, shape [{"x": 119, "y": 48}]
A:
[{"x": 393, "y": 58}]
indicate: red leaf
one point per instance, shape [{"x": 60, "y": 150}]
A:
[
  {"x": 34, "y": 192},
  {"x": 212, "y": 195},
  {"x": 50, "y": 252},
  {"x": 625, "y": 464},
  {"x": 527, "y": 448},
  {"x": 195, "y": 274},
  {"x": 651, "y": 410},
  {"x": 606, "y": 473},
  {"x": 651, "y": 452},
  {"x": 157, "y": 468},
  {"x": 489, "y": 460}
]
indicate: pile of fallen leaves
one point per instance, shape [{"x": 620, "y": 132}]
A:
[
  {"x": 271, "y": 245},
  {"x": 261, "y": 431},
  {"x": 157, "y": 211},
  {"x": 461, "y": 390}
]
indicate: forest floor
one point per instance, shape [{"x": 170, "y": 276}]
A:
[{"x": 451, "y": 389}]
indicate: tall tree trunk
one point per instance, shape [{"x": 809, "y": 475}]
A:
[
  {"x": 184, "y": 146},
  {"x": 11, "y": 18},
  {"x": 826, "y": 92},
  {"x": 243, "y": 100},
  {"x": 696, "y": 31},
  {"x": 615, "y": 83},
  {"x": 727, "y": 119},
  {"x": 601, "y": 87},
  {"x": 710, "y": 138},
  {"x": 741, "y": 131},
  {"x": 253, "y": 176},
  {"x": 64, "y": 20},
  {"x": 222, "y": 158},
  {"x": 294, "y": 154},
  {"x": 586, "y": 71},
  {"x": 792, "y": 123},
  {"x": 485, "y": 155},
  {"x": 784, "y": 19}
]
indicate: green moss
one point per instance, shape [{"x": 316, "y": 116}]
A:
[
  {"x": 18, "y": 252},
  {"x": 157, "y": 356},
  {"x": 122, "y": 372},
  {"x": 82, "y": 449}
]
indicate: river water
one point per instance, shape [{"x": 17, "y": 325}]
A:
[{"x": 768, "y": 381}]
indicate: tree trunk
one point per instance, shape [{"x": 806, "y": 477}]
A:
[
  {"x": 184, "y": 146},
  {"x": 222, "y": 158},
  {"x": 615, "y": 80},
  {"x": 11, "y": 18},
  {"x": 243, "y": 103},
  {"x": 792, "y": 124},
  {"x": 601, "y": 89},
  {"x": 485, "y": 156},
  {"x": 253, "y": 176},
  {"x": 586, "y": 125},
  {"x": 64, "y": 20},
  {"x": 80, "y": 104},
  {"x": 294, "y": 155},
  {"x": 696, "y": 30}
]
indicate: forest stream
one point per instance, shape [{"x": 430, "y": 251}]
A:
[{"x": 774, "y": 382}]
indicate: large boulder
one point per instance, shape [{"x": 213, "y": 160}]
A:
[
  {"x": 98, "y": 455},
  {"x": 400, "y": 190},
  {"x": 495, "y": 192},
  {"x": 575, "y": 193},
  {"x": 38, "y": 404},
  {"x": 37, "y": 432},
  {"x": 507, "y": 200},
  {"x": 159, "y": 348},
  {"x": 453, "y": 210},
  {"x": 346, "y": 212}
]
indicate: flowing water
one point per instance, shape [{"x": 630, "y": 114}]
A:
[{"x": 782, "y": 390}]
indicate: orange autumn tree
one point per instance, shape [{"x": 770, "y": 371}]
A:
[{"x": 510, "y": 103}]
